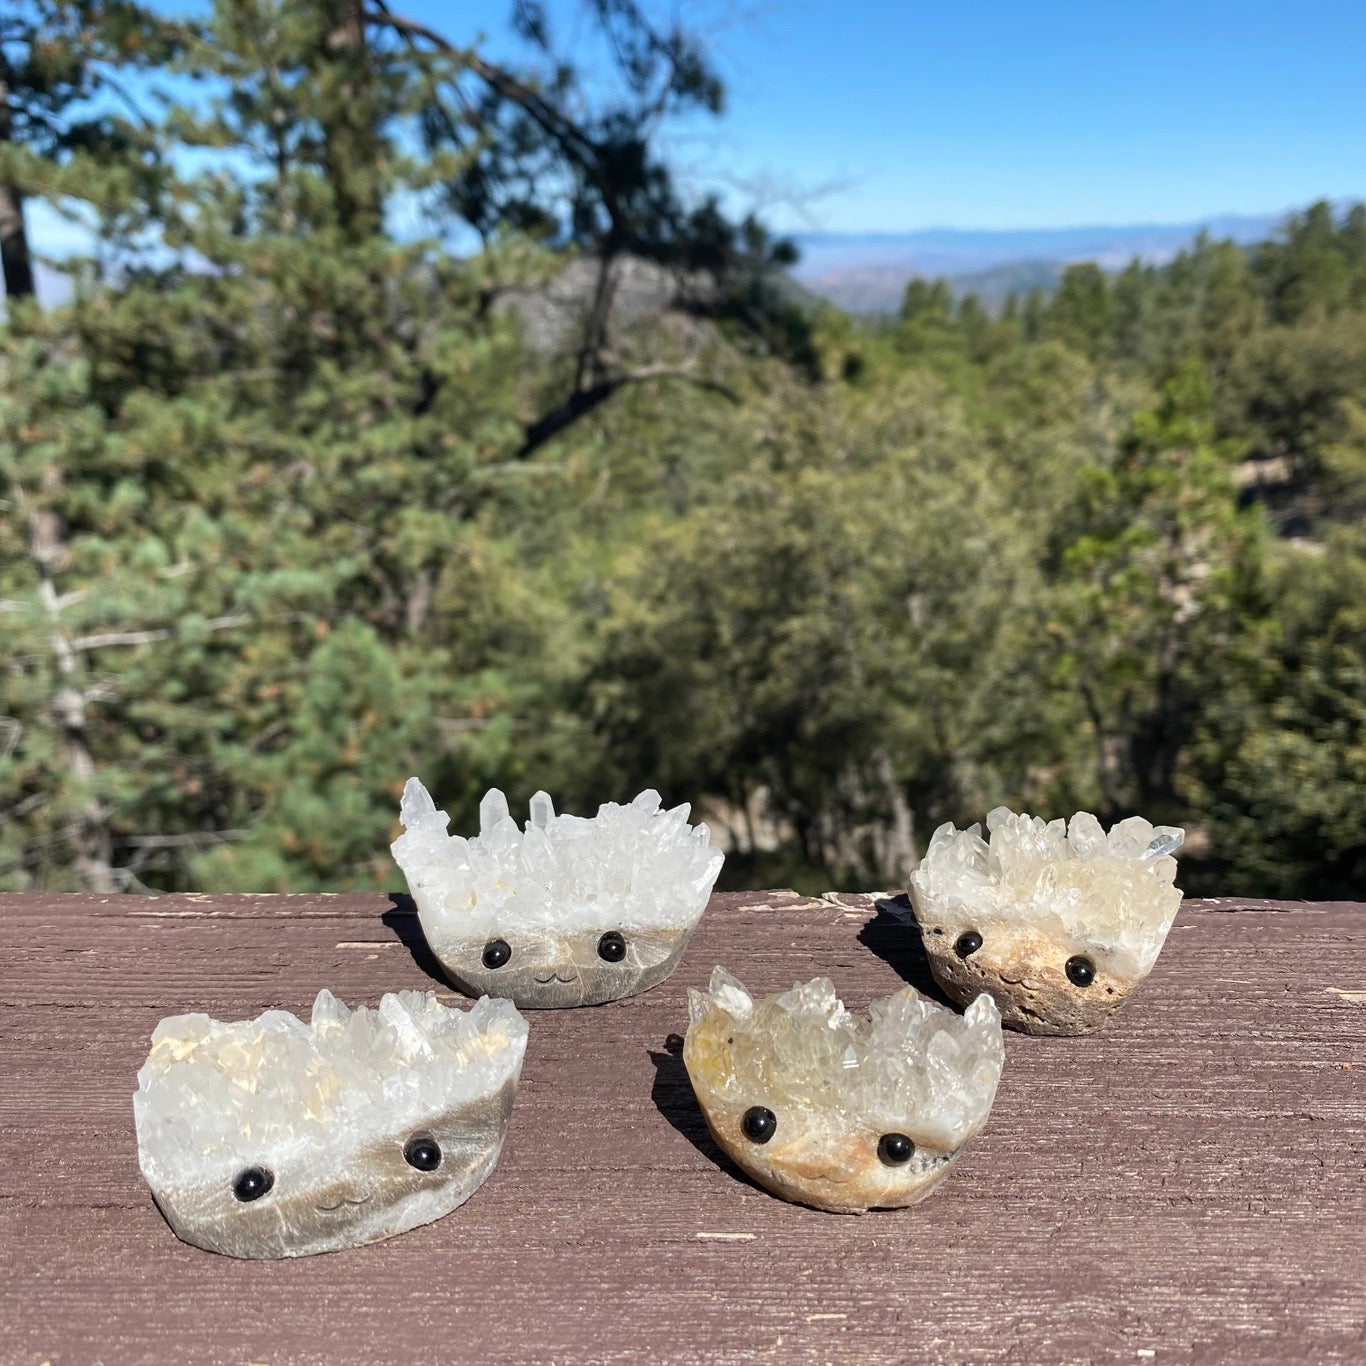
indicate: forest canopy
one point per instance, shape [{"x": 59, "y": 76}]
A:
[{"x": 570, "y": 487}]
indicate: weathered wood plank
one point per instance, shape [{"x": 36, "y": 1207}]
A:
[{"x": 1189, "y": 1183}]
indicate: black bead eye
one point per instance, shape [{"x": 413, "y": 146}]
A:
[
  {"x": 422, "y": 1153},
  {"x": 252, "y": 1184},
  {"x": 895, "y": 1149},
  {"x": 611, "y": 947},
  {"x": 759, "y": 1124},
  {"x": 496, "y": 953},
  {"x": 1081, "y": 972},
  {"x": 968, "y": 944}
]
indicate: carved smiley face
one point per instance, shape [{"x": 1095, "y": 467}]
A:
[
  {"x": 569, "y": 911},
  {"x": 544, "y": 970},
  {"x": 836, "y": 1161},
  {"x": 271, "y": 1138},
  {"x": 322, "y": 1194}
]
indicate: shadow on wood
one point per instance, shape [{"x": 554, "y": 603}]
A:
[
  {"x": 894, "y": 936},
  {"x": 401, "y": 918},
  {"x": 673, "y": 1096}
]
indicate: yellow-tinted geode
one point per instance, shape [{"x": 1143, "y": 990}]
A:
[
  {"x": 828, "y": 1109},
  {"x": 1057, "y": 922}
]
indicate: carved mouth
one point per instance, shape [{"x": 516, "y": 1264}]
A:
[
  {"x": 802, "y": 1171},
  {"x": 799, "y": 1162},
  {"x": 343, "y": 1202},
  {"x": 555, "y": 977}
]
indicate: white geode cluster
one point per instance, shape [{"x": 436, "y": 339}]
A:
[
  {"x": 909, "y": 1060},
  {"x": 628, "y": 867},
  {"x": 1112, "y": 890},
  {"x": 216, "y": 1095}
]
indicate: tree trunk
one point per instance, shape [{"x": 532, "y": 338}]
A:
[
  {"x": 14, "y": 245},
  {"x": 87, "y": 830},
  {"x": 897, "y": 855},
  {"x": 18, "y": 266},
  {"x": 353, "y": 147}
]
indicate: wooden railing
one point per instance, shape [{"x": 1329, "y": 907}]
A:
[{"x": 1187, "y": 1186}]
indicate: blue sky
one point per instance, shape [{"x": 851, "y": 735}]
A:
[
  {"x": 864, "y": 115},
  {"x": 872, "y": 115}
]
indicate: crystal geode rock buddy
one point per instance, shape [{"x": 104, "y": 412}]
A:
[
  {"x": 571, "y": 911},
  {"x": 275, "y": 1138},
  {"x": 831, "y": 1110},
  {"x": 1058, "y": 922}
]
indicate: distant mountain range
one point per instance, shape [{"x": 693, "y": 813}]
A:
[{"x": 867, "y": 272}]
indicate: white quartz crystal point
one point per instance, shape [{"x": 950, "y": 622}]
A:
[
  {"x": 275, "y": 1138},
  {"x": 834, "y": 1110},
  {"x": 1057, "y": 920},
  {"x": 566, "y": 912}
]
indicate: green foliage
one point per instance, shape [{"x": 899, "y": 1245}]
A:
[
  {"x": 1285, "y": 816},
  {"x": 1284, "y": 771},
  {"x": 243, "y": 495},
  {"x": 1154, "y": 563},
  {"x": 289, "y": 511},
  {"x": 1081, "y": 313},
  {"x": 1316, "y": 267},
  {"x": 68, "y": 130},
  {"x": 1200, "y": 670}
]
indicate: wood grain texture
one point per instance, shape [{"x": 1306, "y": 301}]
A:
[{"x": 1187, "y": 1187}]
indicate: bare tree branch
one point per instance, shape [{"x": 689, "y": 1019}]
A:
[
  {"x": 199, "y": 839},
  {"x": 583, "y": 401},
  {"x": 97, "y": 642},
  {"x": 11, "y": 730},
  {"x": 572, "y": 139},
  {"x": 101, "y": 639}
]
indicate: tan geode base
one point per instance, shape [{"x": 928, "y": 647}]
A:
[
  {"x": 802, "y": 1096},
  {"x": 559, "y": 972},
  {"x": 1025, "y": 974},
  {"x": 834, "y": 1175}
]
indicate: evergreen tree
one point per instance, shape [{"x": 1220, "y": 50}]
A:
[
  {"x": 263, "y": 468},
  {"x": 584, "y": 174},
  {"x": 288, "y": 511},
  {"x": 1282, "y": 765},
  {"x": 1154, "y": 567},
  {"x": 68, "y": 130},
  {"x": 1081, "y": 312}
]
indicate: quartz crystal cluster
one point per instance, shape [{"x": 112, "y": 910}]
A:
[
  {"x": 275, "y": 1138},
  {"x": 837, "y": 1111},
  {"x": 567, "y": 911},
  {"x": 1058, "y": 920}
]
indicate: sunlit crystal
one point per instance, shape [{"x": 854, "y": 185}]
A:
[
  {"x": 836, "y": 1085},
  {"x": 521, "y": 912},
  {"x": 321, "y": 1113},
  {"x": 1070, "y": 918}
]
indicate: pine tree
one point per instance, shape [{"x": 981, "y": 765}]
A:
[
  {"x": 1154, "y": 566},
  {"x": 68, "y": 129},
  {"x": 249, "y": 484},
  {"x": 267, "y": 457}
]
